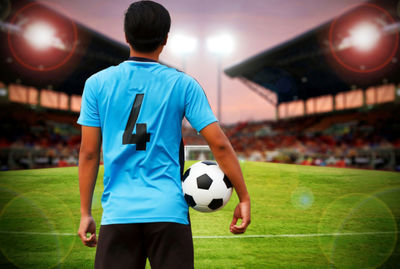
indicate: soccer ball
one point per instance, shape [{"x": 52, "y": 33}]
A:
[{"x": 206, "y": 187}]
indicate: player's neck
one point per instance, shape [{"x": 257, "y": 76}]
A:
[{"x": 155, "y": 55}]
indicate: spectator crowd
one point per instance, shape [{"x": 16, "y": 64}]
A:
[
  {"x": 36, "y": 139},
  {"x": 344, "y": 139}
]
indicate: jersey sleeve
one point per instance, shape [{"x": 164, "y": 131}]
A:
[
  {"x": 89, "y": 115},
  {"x": 197, "y": 109}
]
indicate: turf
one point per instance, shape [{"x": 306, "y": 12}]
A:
[{"x": 302, "y": 217}]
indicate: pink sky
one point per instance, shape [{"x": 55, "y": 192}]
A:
[{"x": 255, "y": 25}]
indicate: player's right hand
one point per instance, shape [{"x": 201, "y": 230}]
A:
[{"x": 88, "y": 225}]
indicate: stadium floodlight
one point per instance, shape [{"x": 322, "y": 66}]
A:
[
  {"x": 365, "y": 36},
  {"x": 183, "y": 44},
  {"x": 220, "y": 44},
  {"x": 40, "y": 35}
]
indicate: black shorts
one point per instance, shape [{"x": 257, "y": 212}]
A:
[{"x": 165, "y": 244}]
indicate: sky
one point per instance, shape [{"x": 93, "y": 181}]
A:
[{"x": 254, "y": 25}]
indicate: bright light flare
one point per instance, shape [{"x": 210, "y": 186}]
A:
[
  {"x": 221, "y": 44},
  {"x": 40, "y": 35},
  {"x": 183, "y": 44},
  {"x": 365, "y": 36}
]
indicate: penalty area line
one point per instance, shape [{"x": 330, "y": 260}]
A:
[{"x": 227, "y": 236}]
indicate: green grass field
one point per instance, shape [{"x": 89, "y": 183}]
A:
[{"x": 302, "y": 217}]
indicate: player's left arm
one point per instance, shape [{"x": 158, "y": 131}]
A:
[
  {"x": 227, "y": 160},
  {"x": 89, "y": 159}
]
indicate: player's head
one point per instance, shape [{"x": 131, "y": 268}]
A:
[{"x": 146, "y": 25}]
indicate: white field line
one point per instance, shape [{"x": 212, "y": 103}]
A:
[
  {"x": 290, "y": 235},
  {"x": 37, "y": 233},
  {"x": 228, "y": 236}
]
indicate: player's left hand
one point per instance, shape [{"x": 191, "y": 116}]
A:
[
  {"x": 242, "y": 211},
  {"x": 88, "y": 225}
]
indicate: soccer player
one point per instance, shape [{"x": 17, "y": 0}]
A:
[{"x": 135, "y": 111}]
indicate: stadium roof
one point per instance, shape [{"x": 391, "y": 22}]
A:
[
  {"x": 315, "y": 64},
  {"x": 78, "y": 51}
]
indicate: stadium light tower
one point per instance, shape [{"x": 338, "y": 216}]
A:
[
  {"x": 220, "y": 45},
  {"x": 40, "y": 35},
  {"x": 365, "y": 36},
  {"x": 183, "y": 45}
]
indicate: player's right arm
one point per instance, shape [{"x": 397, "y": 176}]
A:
[
  {"x": 227, "y": 160},
  {"x": 89, "y": 159}
]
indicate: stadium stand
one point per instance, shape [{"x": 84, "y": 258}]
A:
[
  {"x": 362, "y": 138},
  {"x": 65, "y": 70},
  {"x": 330, "y": 108},
  {"x": 305, "y": 67},
  {"x": 40, "y": 90},
  {"x": 34, "y": 137}
]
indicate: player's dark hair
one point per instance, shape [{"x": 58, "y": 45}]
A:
[{"x": 146, "y": 25}]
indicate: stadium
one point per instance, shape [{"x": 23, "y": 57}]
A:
[{"x": 323, "y": 173}]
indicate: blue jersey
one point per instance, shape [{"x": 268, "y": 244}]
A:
[{"x": 139, "y": 106}]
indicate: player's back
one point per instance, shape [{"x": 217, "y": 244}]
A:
[{"x": 140, "y": 108}]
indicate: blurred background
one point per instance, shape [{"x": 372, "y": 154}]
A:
[{"x": 307, "y": 82}]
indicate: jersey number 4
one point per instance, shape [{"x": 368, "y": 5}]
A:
[{"x": 141, "y": 136}]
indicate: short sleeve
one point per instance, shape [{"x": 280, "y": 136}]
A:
[
  {"x": 89, "y": 115},
  {"x": 197, "y": 109}
]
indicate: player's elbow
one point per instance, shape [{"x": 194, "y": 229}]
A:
[
  {"x": 216, "y": 139},
  {"x": 88, "y": 156}
]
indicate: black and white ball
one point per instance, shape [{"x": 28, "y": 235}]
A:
[{"x": 206, "y": 187}]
